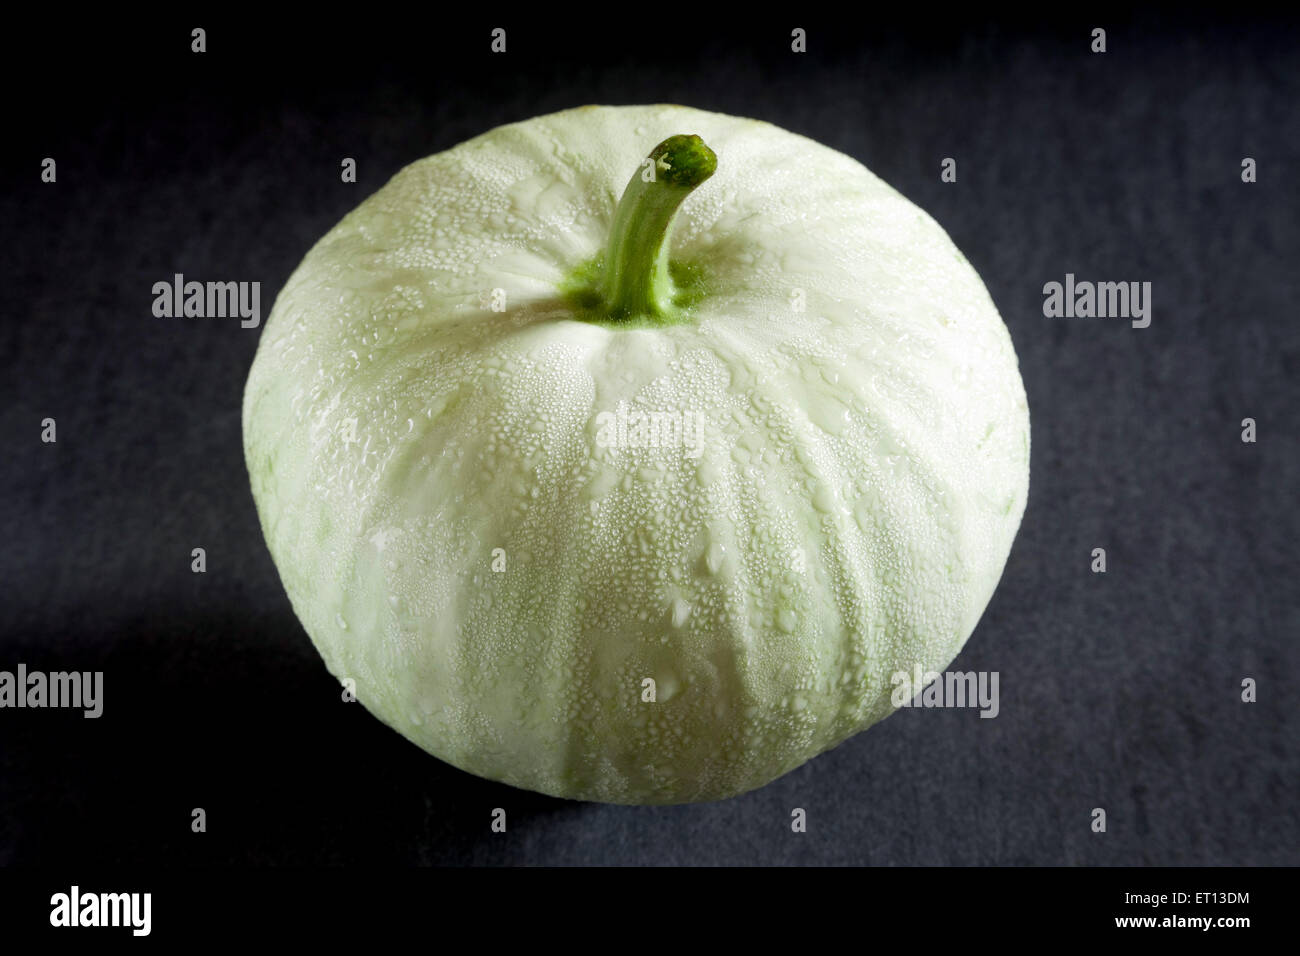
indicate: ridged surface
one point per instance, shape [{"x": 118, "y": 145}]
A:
[{"x": 863, "y": 473}]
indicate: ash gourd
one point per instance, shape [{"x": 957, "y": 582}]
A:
[{"x": 611, "y": 620}]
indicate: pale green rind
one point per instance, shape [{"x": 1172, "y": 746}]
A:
[{"x": 865, "y": 470}]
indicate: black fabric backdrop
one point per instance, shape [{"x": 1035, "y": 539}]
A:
[{"x": 1118, "y": 691}]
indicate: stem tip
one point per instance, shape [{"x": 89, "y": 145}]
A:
[{"x": 684, "y": 160}]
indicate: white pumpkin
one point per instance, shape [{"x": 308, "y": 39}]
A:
[{"x": 448, "y": 430}]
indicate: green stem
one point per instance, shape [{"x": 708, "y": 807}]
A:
[{"x": 636, "y": 280}]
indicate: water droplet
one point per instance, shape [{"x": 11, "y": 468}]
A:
[
  {"x": 713, "y": 557},
  {"x": 681, "y": 611}
]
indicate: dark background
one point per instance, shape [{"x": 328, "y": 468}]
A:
[{"x": 1118, "y": 690}]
